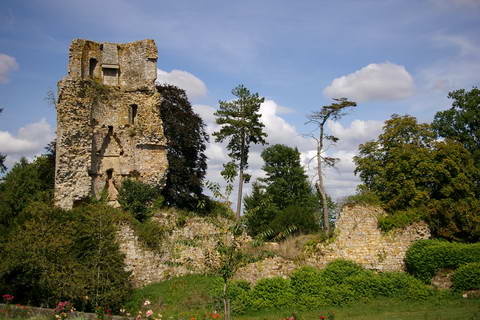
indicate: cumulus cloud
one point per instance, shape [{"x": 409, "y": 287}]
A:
[
  {"x": 358, "y": 132},
  {"x": 377, "y": 81},
  {"x": 193, "y": 86},
  {"x": 340, "y": 181},
  {"x": 28, "y": 142},
  {"x": 7, "y": 64}
]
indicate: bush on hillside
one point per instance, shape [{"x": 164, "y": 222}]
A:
[
  {"x": 271, "y": 293},
  {"x": 303, "y": 219},
  {"x": 340, "y": 283},
  {"x": 138, "y": 198},
  {"x": 425, "y": 257},
  {"x": 338, "y": 270},
  {"x": 467, "y": 277},
  {"x": 56, "y": 255}
]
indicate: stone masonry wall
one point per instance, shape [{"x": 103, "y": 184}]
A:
[
  {"x": 191, "y": 248},
  {"x": 358, "y": 238}
]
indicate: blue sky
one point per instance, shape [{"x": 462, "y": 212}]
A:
[{"x": 389, "y": 56}]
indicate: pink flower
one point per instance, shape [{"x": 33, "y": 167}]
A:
[
  {"x": 7, "y": 297},
  {"x": 149, "y": 313}
]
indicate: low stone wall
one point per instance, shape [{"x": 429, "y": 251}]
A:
[
  {"x": 192, "y": 248},
  {"x": 185, "y": 250},
  {"x": 358, "y": 238}
]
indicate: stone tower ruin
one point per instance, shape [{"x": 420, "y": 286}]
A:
[{"x": 108, "y": 121}]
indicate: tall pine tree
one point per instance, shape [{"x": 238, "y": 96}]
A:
[{"x": 241, "y": 126}]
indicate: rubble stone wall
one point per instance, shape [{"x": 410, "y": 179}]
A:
[
  {"x": 192, "y": 248},
  {"x": 358, "y": 238}
]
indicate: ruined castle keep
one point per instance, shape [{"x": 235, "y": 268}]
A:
[{"x": 108, "y": 121}]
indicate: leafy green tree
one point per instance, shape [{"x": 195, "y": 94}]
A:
[
  {"x": 260, "y": 210},
  {"x": 462, "y": 121},
  {"x": 284, "y": 198},
  {"x": 241, "y": 126},
  {"x": 286, "y": 180},
  {"x": 24, "y": 183},
  {"x": 187, "y": 138},
  {"x": 407, "y": 168},
  {"x": 333, "y": 111}
]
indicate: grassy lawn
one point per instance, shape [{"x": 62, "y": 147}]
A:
[{"x": 391, "y": 309}]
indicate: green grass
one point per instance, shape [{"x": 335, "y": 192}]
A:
[
  {"x": 186, "y": 296},
  {"x": 383, "y": 309}
]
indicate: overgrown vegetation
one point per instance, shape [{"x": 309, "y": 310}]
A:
[
  {"x": 54, "y": 255},
  {"x": 425, "y": 257},
  {"x": 416, "y": 176}
]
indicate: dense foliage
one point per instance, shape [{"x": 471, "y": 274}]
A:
[
  {"x": 467, "y": 277},
  {"x": 284, "y": 198},
  {"x": 139, "y": 198},
  {"x": 406, "y": 167},
  {"x": 462, "y": 121},
  {"x": 55, "y": 255},
  {"x": 240, "y": 126},
  {"x": 425, "y": 257},
  {"x": 187, "y": 138},
  {"x": 24, "y": 183},
  {"x": 340, "y": 283}
]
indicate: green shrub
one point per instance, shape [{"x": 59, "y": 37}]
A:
[
  {"x": 304, "y": 219},
  {"x": 400, "y": 219},
  {"x": 467, "y": 277},
  {"x": 150, "y": 233},
  {"x": 138, "y": 198},
  {"x": 425, "y": 257},
  {"x": 271, "y": 293},
  {"x": 363, "y": 198},
  {"x": 338, "y": 270},
  {"x": 56, "y": 255},
  {"x": 238, "y": 293}
]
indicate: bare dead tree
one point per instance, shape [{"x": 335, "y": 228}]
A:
[{"x": 333, "y": 111}]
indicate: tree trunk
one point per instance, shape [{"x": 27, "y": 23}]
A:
[
  {"x": 240, "y": 191},
  {"x": 240, "y": 178},
  {"x": 320, "y": 185}
]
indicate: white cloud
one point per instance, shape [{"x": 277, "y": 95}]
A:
[
  {"x": 359, "y": 132},
  {"x": 28, "y": 142},
  {"x": 340, "y": 181},
  {"x": 7, "y": 64},
  {"x": 193, "y": 86},
  {"x": 377, "y": 81}
]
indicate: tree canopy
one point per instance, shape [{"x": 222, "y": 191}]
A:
[
  {"x": 187, "y": 138},
  {"x": 407, "y": 168},
  {"x": 462, "y": 121},
  {"x": 284, "y": 198}
]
